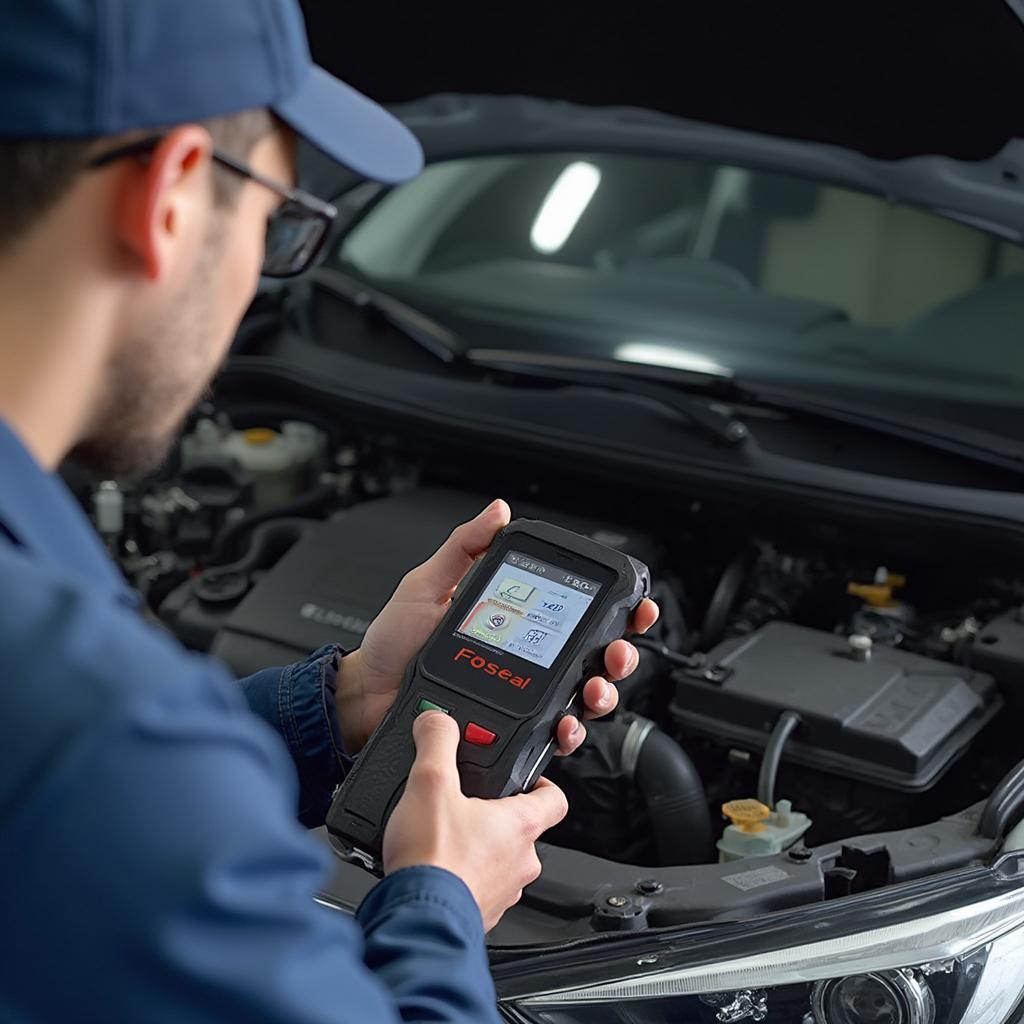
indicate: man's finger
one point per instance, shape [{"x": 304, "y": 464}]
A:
[
  {"x": 599, "y": 697},
  {"x": 645, "y": 616},
  {"x": 570, "y": 733},
  {"x": 542, "y": 808},
  {"x": 445, "y": 568},
  {"x": 437, "y": 739},
  {"x": 620, "y": 658}
]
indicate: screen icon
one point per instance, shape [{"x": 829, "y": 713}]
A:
[
  {"x": 512, "y": 589},
  {"x": 535, "y": 636}
]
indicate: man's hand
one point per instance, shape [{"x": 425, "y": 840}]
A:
[
  {"x": 489, "y": 844},
  {"x": 369, "y": 678}
]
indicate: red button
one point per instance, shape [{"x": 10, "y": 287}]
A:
[{"x": 479, "y": 736}]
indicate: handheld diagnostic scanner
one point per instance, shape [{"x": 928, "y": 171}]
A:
[{"x": 527, "y": 629}]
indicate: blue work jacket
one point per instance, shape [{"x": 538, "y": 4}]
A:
[{"x": 152, "y": 867}]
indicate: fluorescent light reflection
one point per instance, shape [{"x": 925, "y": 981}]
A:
[
  {"x": 650, "y": 354},
  {"x": 563, "y": 206}
]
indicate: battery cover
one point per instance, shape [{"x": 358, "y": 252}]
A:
[{"x": 895, "y": 719}]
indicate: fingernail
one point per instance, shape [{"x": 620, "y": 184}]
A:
[{"x": 575, "y": 728}]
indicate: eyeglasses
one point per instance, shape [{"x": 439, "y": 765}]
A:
[{"x": 296, "y": 230}]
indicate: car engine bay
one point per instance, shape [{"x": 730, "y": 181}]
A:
[{"x": 807, "y": 682}]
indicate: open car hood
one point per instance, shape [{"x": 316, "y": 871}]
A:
[{"x": 988, "y": 194}]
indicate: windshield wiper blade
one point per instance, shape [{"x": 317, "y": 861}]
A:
[
  {"x": 711, "y": 418},
  {"x": 426, "y": 332}
]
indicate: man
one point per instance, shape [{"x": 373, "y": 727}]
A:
[{"x": 154, "y": 869}]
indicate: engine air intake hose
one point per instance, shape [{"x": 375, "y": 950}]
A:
[
  {"x": 1005, "y": 806},
  {"x": 672, "y": 790},
  {"x": 232, "y": 534}
]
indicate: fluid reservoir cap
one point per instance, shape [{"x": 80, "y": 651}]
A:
[
  {"x": 222, "y": 588},
  {"x": 259, "y": 435},
  {"x": 747, "y": 815},
  {"x": 878, "y": 594}
]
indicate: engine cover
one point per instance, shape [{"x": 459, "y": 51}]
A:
[
  {"x": 896, "y": 719},
  {"x": 334, "y": 581}
]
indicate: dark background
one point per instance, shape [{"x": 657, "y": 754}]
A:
[{"x": 888, "y": 77}]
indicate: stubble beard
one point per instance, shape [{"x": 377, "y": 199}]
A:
[{"x": 153, "y": 381}]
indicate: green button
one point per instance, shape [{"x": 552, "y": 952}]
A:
[{"x": 429, "y": 705}]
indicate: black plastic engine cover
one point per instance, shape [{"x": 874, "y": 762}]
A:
[
  {"x": 897, "y": 719},
  {"x": 334, "y": 581},
  {"x": 999, "y": 650}
]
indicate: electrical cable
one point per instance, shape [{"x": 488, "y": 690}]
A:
[
  {"x": 723, "y": 601},
  {"x": 787, "y": 723},
  {"x": 647, "y": 643}
]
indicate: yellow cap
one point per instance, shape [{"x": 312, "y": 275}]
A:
[
  {"x": 878, "y": 595},
  {"x": 259, "y": 435},
  {"x": 747, "y": 815}
]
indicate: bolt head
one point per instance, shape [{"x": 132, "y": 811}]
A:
[
  {"x": 617, "y": 901},
  {"x": 736, "y": 431},
  {"x": 649, "y": 886}
]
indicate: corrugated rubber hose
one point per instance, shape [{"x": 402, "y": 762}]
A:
[{"x": 672, "y": 790}]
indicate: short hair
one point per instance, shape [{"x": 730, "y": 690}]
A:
[{"x": 36, "y": 172}]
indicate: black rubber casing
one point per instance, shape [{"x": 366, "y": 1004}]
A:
[{"x": 363, "y": 804}]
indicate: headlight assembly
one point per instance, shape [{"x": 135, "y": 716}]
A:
[{"x": 924, "y": 958}]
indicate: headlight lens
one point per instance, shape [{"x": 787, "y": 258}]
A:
[
  {"x": 964, "y": 965},
  {"x": 892, "y": 997}
]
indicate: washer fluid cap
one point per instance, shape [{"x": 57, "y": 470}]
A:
[
  {"x": 747, "y": 815},
  {"x": 259, "y": 435},
  {"x": 880, "y": 593},
  {"x": 757, "y": 832}
]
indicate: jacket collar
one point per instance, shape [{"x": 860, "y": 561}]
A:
[{"x": 39, "y": 512}]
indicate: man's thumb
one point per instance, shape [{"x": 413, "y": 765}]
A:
[
  {"x": 455, "y": 557},
  {"x": 437, "y": 739}
]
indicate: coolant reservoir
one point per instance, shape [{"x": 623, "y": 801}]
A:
[
  {"x": 756, "y": 831},
  {"x": 277, "y": 461}
]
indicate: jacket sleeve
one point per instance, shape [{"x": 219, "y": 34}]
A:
[
  {"x": 181, "y": 888},
  {"x": 401, "y": 917},
  {"x": 297, "y": 701}
]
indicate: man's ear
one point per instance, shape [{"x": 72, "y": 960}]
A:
[{"x": 165, "y": 198}]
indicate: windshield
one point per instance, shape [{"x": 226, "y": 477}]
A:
[{"x": 703, "y": 266}]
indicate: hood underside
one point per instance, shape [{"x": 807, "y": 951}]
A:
[{"x": 889, "y": 80}]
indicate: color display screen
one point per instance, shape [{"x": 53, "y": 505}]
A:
[{"x": 529, "y": 608}]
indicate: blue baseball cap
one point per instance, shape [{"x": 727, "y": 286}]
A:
[{"x": 90, "y": 68}]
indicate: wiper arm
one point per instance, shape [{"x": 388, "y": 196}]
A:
[
  {"x": 426, "y": 332},
  {"x": 969, "y": 442},
  {"x": 709, "y": 417}
]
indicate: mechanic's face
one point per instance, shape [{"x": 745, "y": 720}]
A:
[{"x": 161, "y": 368}]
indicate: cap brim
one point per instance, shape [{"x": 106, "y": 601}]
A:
[{"x": 352, "y": 129}]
